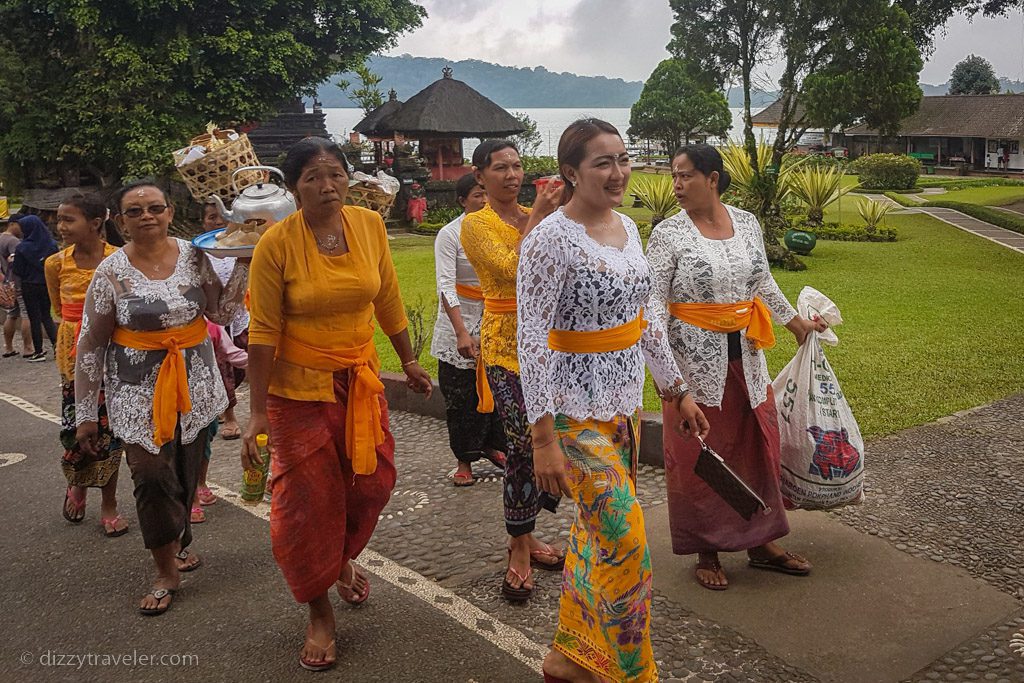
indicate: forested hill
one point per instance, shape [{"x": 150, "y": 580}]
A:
[{"x": 506, "y": 85}]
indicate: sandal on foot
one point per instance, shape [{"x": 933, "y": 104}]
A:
[
  {"x": 110, "y": 526},
  {"x": 10, "y": 354},
  {"x": 780, "y": 563},
  {"x": 497, "y": 458},
  {"x": 159, "y": 594},
  {"x": 463, "y": 479},
  {"x": 512, "y": 593},
  {"x": 347, "y": 591},
  {"x": 79, "y": 507},
  {"x": 184, "y": 556},
  {"x": 709, "y": 566},
  {"x": 197, "y": 515},
  {"x": 548, "y": 551},
  {"x": 205, "y": 496},
  {"x": 314, "y": 665},
  {"x": 231, "y": 433}
]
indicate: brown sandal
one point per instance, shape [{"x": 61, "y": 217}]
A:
[
  {"x": 710, "y": 566},
  {"x": 780, "y": 563},
  {"x": 330, "y": 657},
  {"x": 513, "y": 594}
]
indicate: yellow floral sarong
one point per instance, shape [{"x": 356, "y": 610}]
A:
[{"x": 605, "y": 608}]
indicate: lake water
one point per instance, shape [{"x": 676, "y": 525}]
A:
[{"x": 550, "y": 123}]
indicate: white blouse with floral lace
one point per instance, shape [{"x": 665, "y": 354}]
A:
[
  {"x": 569, "y": 281},
  {"x": 120, "y": 295},
  {"x": 689, "y": 267}
]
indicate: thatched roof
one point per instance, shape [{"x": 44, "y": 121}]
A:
[
  {"x": 450, "y": 108},
  {"x": 370, "y": 127},
  {"x": 969, "y": 116}
]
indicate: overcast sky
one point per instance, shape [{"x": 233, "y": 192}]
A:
[{"x": 627, "y": 39}]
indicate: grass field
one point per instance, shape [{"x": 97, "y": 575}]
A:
[
  {"x": 985, "y": 196},
  {"x": 932, "y": 320}
]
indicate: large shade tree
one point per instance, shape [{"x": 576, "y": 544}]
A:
[
  {"x": 113, "y": 87},
  {"x": 674, "y": 105},
  {"x": 974, "y": 76}
]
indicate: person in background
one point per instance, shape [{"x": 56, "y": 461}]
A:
[
  {"x": 144, "y": 340},
  {"x": 491, "y": 238},
  {"x": 712, "y": 283},
  {"x": 36, "y": 246},
  {"x": 456, "y": 344},
  {"x": 15, "y": 316},
  {"x": 81, "y": 222}
]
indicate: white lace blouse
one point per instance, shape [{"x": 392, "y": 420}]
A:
[
  {"x": 120, "y": 295},
  {"x": 452, "y": 266},
  {"x": 568, "y": 281},
  {"x": 688, "y": 267}
]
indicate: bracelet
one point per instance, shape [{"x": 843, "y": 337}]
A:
[
  {"x": 546, "y": 444},
  {"x": 409, "y": 362}
]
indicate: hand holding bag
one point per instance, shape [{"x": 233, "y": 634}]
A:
[{"x": 721, "y": 479}]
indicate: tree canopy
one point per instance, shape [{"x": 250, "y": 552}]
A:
[
  {"x": 675, "y": 104},
  {"x": 367, "y": 95},
  {"x": 974, "y": 76},
  {"x": 114, "y": 87}
]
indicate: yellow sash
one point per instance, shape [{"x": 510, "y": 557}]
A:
[
  {"x": 752, "y": 315},
  {"x": 363, "y": 432},
  {"x": 485, "y": 403},
  {"x": 469, "y": 292},
  {"x": 171, "y": 392},
  {"x": 598, "y": 341}
]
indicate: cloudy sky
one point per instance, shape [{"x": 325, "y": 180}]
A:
[{"x": 627, "y": 39}]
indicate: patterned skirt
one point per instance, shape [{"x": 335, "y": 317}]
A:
[
  {"x": 80, "y": 469},
  {"x": 604, "y": 612}
]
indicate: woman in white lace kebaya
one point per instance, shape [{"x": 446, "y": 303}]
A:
[
  {"x": 144, "y": 338},
  {"x": 712, "y": 280},
  {"x": 582, "y": 287},
  {"x": 456, "y": 343}
]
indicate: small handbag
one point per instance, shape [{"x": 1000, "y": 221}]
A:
[
  {"x": 8, "y": 297},
  {"x": 721, "y": 479}
]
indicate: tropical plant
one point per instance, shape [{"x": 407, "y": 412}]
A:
[
  {"x": 873, "y": 213},
  {"x": 657, "y": 195},
  {"x": 749, "y": 183},
  {"x": 817, "y": 187}
]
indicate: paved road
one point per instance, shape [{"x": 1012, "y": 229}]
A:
[{"x": 923, "y": 582}]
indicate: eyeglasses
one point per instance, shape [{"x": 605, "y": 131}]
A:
[{"x": 137, "y": 211}]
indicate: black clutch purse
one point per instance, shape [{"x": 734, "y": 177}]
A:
[{"x": 727, "y": 484}]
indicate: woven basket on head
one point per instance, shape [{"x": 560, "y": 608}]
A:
[
  {"x": 212, "y": 173},
  {"x": 370, "y": 198}
]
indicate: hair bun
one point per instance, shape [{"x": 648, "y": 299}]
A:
[{"x": 724, "y": 181}]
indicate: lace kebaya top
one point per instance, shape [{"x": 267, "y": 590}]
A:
[
  {"x": 689, "y": 267},
  {"x": 121, "y": 295},
  {"x": 569, "y": 281},
  {"x": 452, "y": 267}
]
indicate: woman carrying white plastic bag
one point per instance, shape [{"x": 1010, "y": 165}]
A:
[{"x": 822, "y": 448}]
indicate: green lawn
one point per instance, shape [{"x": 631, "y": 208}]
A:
[
  {"x": 932, "y": 321},
  {"x": 985, "y": 196}
]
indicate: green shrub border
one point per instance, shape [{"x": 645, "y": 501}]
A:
[
  {"x": 1003, "y": 219},
  {"x": 902, "y": 200},
  {"x": 852, "y": 233}
]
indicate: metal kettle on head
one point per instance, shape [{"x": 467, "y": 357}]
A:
[{"x": 262, "y": 204}]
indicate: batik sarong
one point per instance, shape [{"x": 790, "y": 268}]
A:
[
  {"x": 79, "y": 468},
  {"x": 519, "y": 489},
  {"x": 470, "y": 432}
]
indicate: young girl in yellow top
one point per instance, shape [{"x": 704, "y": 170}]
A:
[{"x": 81, "y": 220}]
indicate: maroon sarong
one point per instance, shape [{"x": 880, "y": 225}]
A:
[
  {"x": 323, "y": 514},
  {"x": 748, "y": 440}
]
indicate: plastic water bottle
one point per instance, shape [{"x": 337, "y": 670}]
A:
[{"x": 254, "y": 480}]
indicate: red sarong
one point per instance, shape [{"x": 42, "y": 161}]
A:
[
  {"x": 322, "y": 515},
  {"x": 748, "y": 440}
]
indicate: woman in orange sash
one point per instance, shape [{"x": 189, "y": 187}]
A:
[
  {"x": 81, "y": 220},
  {"x": 144, "y": 341},
  {"x": 319, "y": 279},
  {"x": 717, "y": 297},
  {"x": 583, "y": 283}
]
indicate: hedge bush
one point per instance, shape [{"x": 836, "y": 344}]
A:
[
  {"x": 853, "y": 233},
  {"x": 902, "y": 200},
  {"x": 1004, "y": 219},
  {"x": 887, "y": 171}
]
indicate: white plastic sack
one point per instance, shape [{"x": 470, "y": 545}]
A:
[{"x": 822, "y": 448}]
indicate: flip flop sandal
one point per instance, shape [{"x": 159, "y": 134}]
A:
[
  {"x": 183, "y": 556},
  {"x": 110, "y": 526},
  {"x": 778, "y": 564},
  {"x": 497, "y": 459},
  {"x": 324, "y": 665},
  {"x": 231, "y": 435},
  {"x": 10, "y": 354},
  {"x": 159, "y": 594},
  {"x": 352, "y": 597},
  {"x": 709, "y": 567},
  {"x": 463, "y": 479},
  {"x": 197, "y": 515},
  {"x": 79, "y": 507},
  {"x": 205, "y": 496},
  {"x": 513, "y": 594},
  {"x": 547, "y": 550}
]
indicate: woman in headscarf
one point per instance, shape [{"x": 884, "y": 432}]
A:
[{"x": 36, "y": 246}]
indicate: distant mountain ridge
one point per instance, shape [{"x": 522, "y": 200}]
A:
[{"x": 529, "y": 88}]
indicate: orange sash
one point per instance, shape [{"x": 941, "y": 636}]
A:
[
  {"x": 752, "y": 315},
  {"x": 485, "y": 403},
  {"x": 469, "y": 292},
  {"x": 71, "y": 312},
  {"x": 171, "y": 395},
  {"x": 363, "y": 432},
  {"x": 598, "y": 341}
]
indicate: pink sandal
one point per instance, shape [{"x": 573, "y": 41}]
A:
[
  {"x": 110, "y": 526},
  {"x": 79, "y": 507},
  {"x": 198, "y": 516},
  {"x": 205, "y": 496},
  {"x": 347, "y": 591}
]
